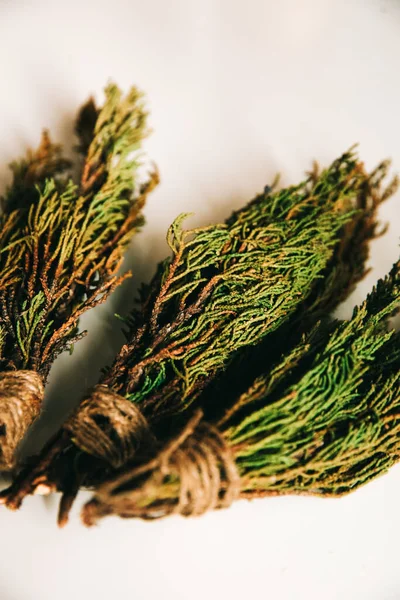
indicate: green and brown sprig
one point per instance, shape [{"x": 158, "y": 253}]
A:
[{"x": 61, "y": 245}]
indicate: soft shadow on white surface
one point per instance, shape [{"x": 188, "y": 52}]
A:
[
  {"x": 237, "y": 91},
  {"x": 281, "y": 548}
]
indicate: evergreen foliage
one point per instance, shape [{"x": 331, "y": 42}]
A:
[
  {"x": 324, "y": 421},
  {"x": 61, "y": 242},
  {"x": 299, "y": 250},
  {"x": 61, "y": 245}
]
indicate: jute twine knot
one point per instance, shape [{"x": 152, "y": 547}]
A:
[
  {"x": 109, "y": 427},
  {"x": 195, "y": 473},
  {"x": 21, "y": 396}
]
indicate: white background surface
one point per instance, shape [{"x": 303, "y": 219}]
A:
[{"x": 237, "y": 91}]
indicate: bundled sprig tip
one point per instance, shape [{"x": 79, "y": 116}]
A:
[
  {"x": 61, "y": 245},
  {"x": 274, "y": 267}
]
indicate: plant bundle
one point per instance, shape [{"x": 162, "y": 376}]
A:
[
  {"x": 323, "y": 421},
  {"x": 61, "y": 244},
  {"x": 287, "y": 255}
]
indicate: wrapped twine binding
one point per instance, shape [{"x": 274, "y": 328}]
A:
[
  {"x": 198, "y": 461},
  {"x": 105, "y": 426},
  {"x": 109, "y": 427},
  {"x": 21, "y": 397}
]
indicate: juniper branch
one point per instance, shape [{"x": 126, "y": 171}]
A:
[
  {"x": 229, "y": 286},
  {"x": 61, "y": 242},
  {"x": 326, "y": 431},
  {"x": 60, "y": 257}
]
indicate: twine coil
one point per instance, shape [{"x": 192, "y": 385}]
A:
[
  {"x": 201, "y": 463},
  {"x": 108, "y": 426},
  {"x": 21, "y": 397}
]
